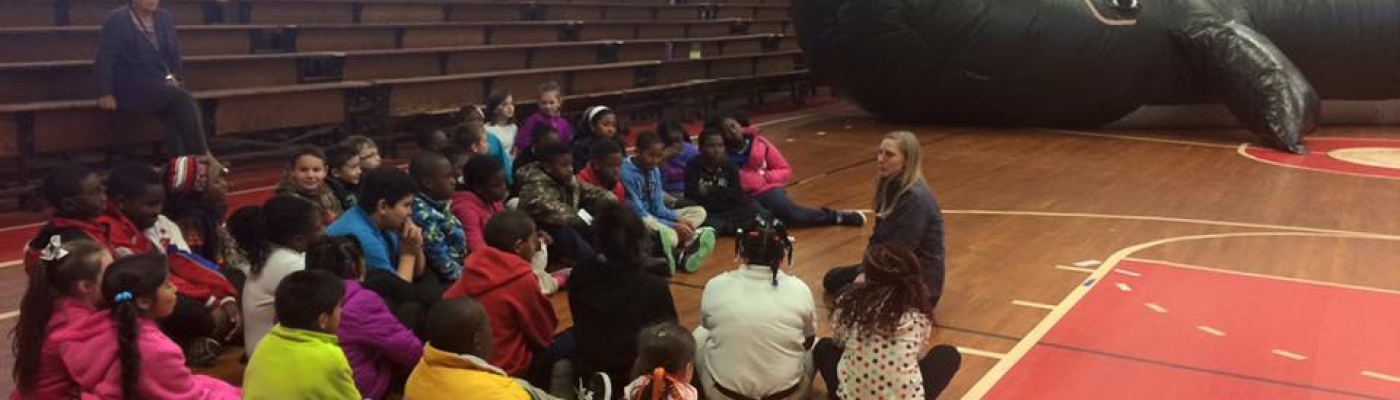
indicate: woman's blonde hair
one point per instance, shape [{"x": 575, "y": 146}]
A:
[{"x": 890, "y": 189}]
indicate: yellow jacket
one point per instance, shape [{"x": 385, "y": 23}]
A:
[{"x": 446, "y": 376}]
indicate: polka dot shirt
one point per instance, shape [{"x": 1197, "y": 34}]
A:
[{"x": 876, "y": 366}]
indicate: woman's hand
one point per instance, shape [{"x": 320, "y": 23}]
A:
[{"x": 108, "y": 103}]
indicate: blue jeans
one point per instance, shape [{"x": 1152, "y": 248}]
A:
[{"x": 778, "y": 202}]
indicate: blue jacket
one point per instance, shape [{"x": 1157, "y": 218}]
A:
[
  {"x": 130, "y": 68},
  {"x": 645, "y": 194},
  {"x": 381, "y": 247},
  {"x": 498, "y": 151}
]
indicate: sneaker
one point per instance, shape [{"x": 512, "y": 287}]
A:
[
  {"x": 203, "y": 352},
  {"x": 850, "y": 218},
  {"x": 668, "y": 247},
  {"x": 657, "y": 266},
  {"x": 699, "y": 249},
  {"x": 595, "y": 387}
]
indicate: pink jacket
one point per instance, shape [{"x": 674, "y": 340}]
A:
[
  {"x": 89, "y": 350},
  {"x": 474, "y": 213},
  {"x": 766, "y": 168},
  {"x": 52, "y": 382}
]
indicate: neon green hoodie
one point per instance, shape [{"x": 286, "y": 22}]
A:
[{"x": 299, "y": 364}]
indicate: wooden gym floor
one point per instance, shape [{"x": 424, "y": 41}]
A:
[{"x": 1145, "y": 264}]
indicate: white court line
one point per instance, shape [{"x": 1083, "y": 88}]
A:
[
  {"x": 1075, "y": 269},
  {"x": 1127, "y": 272},
  {"x": 1269, "y": 277},
  {"x": 981, "y": 353},
  {"x": 11, "y": 263},
  {"x": 1124, "y": 287},
  {"x": 1088, "y": 263},
  {"x": 1032, "y": 304},
  {"x": 1289, "y": 355},
  {"x": 9, "y": 315},
  {"x": 1157, "y": 308},
  {"x": 1212, "y": 331},
  {"x": 1378, "y": 375}
]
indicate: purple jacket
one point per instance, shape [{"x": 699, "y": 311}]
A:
[
  {"x": 377, "y": 345},
  {"x": 523, "y": 136},
  {"x": 673, "y": 170}
]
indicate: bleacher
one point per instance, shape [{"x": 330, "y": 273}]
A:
[{"x": 362, "y": 66}]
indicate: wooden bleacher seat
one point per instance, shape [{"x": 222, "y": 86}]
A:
[
  {"x": 263, "y": 12},
  {"x": 35, "y": 44},
  {"x": 409, "y": 96}
]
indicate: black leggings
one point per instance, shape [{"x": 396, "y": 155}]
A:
[
  {"x": 190, "y": 320},
  {"x": 184, "y": 124},
  {"x": 937, "y": 367}
]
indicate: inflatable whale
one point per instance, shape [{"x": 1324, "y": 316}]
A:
[{"x": 1090, "y": 62}]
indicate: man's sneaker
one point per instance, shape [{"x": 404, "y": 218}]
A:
[
  {"x": 850, "y": 218},
  {"x": 699, "y": 249},
  {"x": 595, "y": 387}
]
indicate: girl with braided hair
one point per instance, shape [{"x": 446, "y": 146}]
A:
[
  {"x": 880, "y": 327},
  {"x": 120, "y": 353},
  {"x": 757, "y": 323},
  {"x": 63, "y": 288}
]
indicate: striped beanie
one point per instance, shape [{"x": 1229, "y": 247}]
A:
[{"x": 186, "y": 174}]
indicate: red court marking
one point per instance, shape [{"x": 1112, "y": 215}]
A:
[
  {"x": 1318, "y": 160},
  {"x": 1110, "y": 345}
]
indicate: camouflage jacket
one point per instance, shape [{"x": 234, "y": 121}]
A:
[{"x": 553, "y": 204}]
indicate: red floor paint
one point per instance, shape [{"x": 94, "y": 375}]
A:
[
  {"x": 1318, "y": 160},
  {"x": 1113, "y": 346}
]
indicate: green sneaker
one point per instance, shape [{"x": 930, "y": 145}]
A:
[
  {"x": 668, "y": 247},
  {"x": 699, "y": 249}
]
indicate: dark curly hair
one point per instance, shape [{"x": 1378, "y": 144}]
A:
[{"x": 893, "y": 286}]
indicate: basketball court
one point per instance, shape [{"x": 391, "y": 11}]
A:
[{"x": 1098, "y": 265}]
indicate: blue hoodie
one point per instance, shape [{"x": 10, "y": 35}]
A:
[{"x": 644, "y": 192}]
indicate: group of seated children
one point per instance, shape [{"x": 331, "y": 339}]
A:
[{"x": 433, "y": 282}]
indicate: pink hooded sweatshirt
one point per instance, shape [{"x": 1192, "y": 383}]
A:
[
  {"x": 765, "y": 169},
  {"x": 89, "y": 351},
  {"x": 52, "y": 381},
  {"x": 474, "y": 213}
]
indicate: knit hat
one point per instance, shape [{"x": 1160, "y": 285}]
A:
[{"x": 186, "y": 174}]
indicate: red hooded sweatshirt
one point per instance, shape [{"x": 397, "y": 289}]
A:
[
  {"x": 589, "y": 176},
  {"x": 522, "y": 319}
]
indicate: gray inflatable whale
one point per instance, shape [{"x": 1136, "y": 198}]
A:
[{"x": 1090, "y": 62}]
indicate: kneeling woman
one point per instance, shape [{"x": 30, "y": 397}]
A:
[
  {"x": 906, "y": 212},
  {"x": 139, "y": 69}
]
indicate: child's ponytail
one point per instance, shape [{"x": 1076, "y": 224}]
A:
[
  {"x": 129, "y": 279},
  {"x": 61, "y": 266}
]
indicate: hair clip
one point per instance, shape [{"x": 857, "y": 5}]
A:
[
  {"x": 122, "y": 297},
  {"x": 54, "y": 251}
]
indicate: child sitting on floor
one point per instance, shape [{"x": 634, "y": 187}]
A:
[
  {"x": 305, "y": 177},
  {"x": 757, "y": 323},
  {"x": 680, "y": 229},
  {"x": 551, "y": 103},
  {"x": 604, "y": 170},
  {"x": 544, "y": 136},
  {"x": 119, "y": 353},
  {"x": 444, "y": 243},
  {"x": 344, "y": 176},
  {"x": 301, "y": 358},
  {"x": 522, "y": 319},
  {"x": 206, "y": 311},
  {"x": 880, "y": 326},
  {"x": 679, "y": 152},
  {"x": 275, "y": 237},
  {"x": 764, "y": 174},
  {"x": 63, "y": 289},
  {"x": 366, "y": 149},
  {"x": 500, "y": 120},
  {"x": 196, "y": 190},
  {"x": 454, "y": 362},
  {"x": 713, "y": 182},
  {"x": 665, "y": 365},
  {"x": 597, "y": 124},
  {"x": 83, "y": 210},
  {"x": 430, "y": 139},
  {"x": 380, "y": 349},
  {"x": 554, "y": 197},
  {"x": 614, "y": 296},
  {"x": 473, "y": 135}
]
